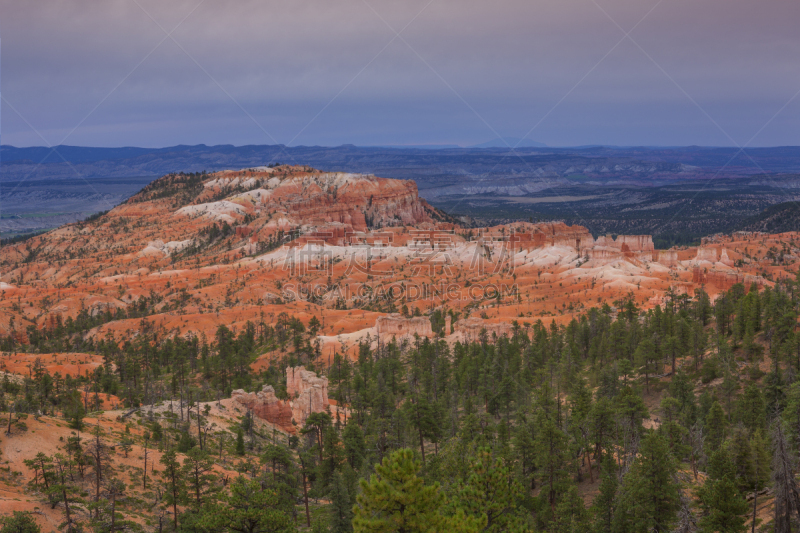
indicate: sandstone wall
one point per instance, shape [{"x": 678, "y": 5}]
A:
[
  {"x": 668, "y": 258},
  {"x": 354, "y": 200},
  {"x": 725, "y": 280},
  {"x": 706, "y": 254},
  {"x": 469, "y": 329},
  {"x": 635, "y": 243},
  {"x": 307, "y": 393},
  {"x": 267, "y": 407},
  {"x": 631, "y": 246},
  {"x": 605, "y": 253},
  {"x": 397, "y": 326}
]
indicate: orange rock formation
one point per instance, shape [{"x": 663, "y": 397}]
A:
[
  {"x": 266, "y": 406},
  {"x": 196, "y": 251}
]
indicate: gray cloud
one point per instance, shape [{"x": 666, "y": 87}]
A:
[{"x": 504, "y": 63}]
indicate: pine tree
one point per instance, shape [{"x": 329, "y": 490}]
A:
[
  {"x": 42, "y": 467},
  {"x": 173, "y": 483},
  {"x": 551, "y": 459},
  {"x": 341, "y": 507},
  {"x": 724, "y": 509},
  {"x": 353, "y": 440},
  {"x": 646, "y": 358},
  {"x": 752, "y": 409},
  {"x": 396, "y": 500},
  {"x": 101, "y": 462},
  {"x": 649, "y": 497},
  {"x": 109, "y": 519},
  {"x": 605, "y": 502},
  {"x": 715, "y": 428},
  {"x": 492, "y": 493},
  {"x": 247, "y": 509},
  {"x": 240, "y": 443},
  {"x": 318, "y": 424},
  {"x": 198, "y": 471},
  {"x": 63, "y": 490},
  {"x": 571, "y": 516},
  {"x": 19, "y": 522},
  {"x": 720, "y": 465}
]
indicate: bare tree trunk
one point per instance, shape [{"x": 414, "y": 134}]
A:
[
  {"x": 787, "y": 494},
  {"x": 144, "y": 474},
  {"x": 305, "y": 497},
  {"x": 10, "y": 413},
  {"x": 199, "y": 431}
]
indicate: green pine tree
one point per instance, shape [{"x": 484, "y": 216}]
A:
[
  {"x": 341, "y": 520},
  {"x": 395, "y": 499},
  {"x": 173, "y": 483},
  {"x": 19, "y": 522},
  {"x": 247, "y": 509},
  {"x": 716, "y": 428},
  {"x": 605, "y": 501},
  {"x": 724, "y": 509},
  {"x": 649, "y": 497},
  {"x": 198, "y": 471},
  {"x": 240, "y": 443},
  {"x": 492, "y": 494}
]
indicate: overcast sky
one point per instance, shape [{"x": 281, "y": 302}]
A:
[{"x": 106, "y": 73}]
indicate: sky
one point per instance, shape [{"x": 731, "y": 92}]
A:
[{"x": 399, "y": 72}]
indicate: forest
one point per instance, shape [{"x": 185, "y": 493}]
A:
[{"x": 684, "y": 417}]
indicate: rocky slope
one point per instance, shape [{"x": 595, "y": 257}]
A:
[{"x": 193, "y": 251}]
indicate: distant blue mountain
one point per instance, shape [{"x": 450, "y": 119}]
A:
[
  {"x": 87, "y": 154},
  {"x": 418, "y": 146},
  {"x": 510, "y": 141}
]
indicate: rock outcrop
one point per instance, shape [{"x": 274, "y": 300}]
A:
[
  {"x": 307, "y": 393},
  {"x": 724, "y": 259},
  {"x": 399, "y": 327},
  {"x": 266, "y": 406},
  {"x": 623, "y": 247},
  {"x": 469, "y": 329},
  {"x": 724, "y": 280},
  {"x": 230, "y": 242},
  {"x": 668, "y": 258},
  {"x": 706, "y": 254},
  {"x": 354, "y": 201}
]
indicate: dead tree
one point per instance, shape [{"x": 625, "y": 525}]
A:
[
  {"x": 98, "y": 451},
  {"x": 787, "y": 495}
]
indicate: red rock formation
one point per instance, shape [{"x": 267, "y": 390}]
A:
[
  {"x": 604, "y": 253},
  {"x": 706, "y": 254},
  {"x": 266, "y": 406},
  {"x": 354, "y": 200},
  {"x": 636, "y": 243},
  {"x": 528, "y": 236},
  {"x": 668, "y": 258},
  {"x": 624, "y": 246},
  {"x": 243, "y": 231},
  {"x": 99, "y": 265},
  {"x": 399, "y": 327},
  {"x": 307, "y": 393},
  {"x": 724, "y": 280},
  {"x": 469, "y": 329}
]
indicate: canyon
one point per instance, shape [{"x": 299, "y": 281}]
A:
[
  {"x": 351, "y": 250},
  {"x": 334, "y": 263}
]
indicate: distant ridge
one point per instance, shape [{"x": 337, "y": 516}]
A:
[{"x": 506, "y": 142}]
